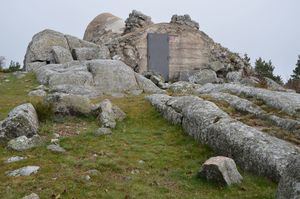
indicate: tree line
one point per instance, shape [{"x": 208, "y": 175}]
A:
[
  {"x": 264, "y": 68},
  {"x": 13, "y": 66}
]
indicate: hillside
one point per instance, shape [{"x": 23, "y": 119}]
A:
[{"x": 145, "y": 157}]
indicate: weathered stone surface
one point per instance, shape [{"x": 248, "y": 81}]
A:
[
  {"x": 31, "y": 196},
  {"x": 238, "y": 103},
  {"x": 38, "y": 93},
  {"x": 247, "y": 106},
  {"x": 182, "y": 87},
  {"x": 217, "y": 66},
  {"x": 103, "y": 131},
  {"x": 103, "y": 28},
  {"x": 23, "y": 143},
  {"x": 251, "y": 149},
  {"x": 75, "y": 43},
  {"x": 22, "y": 120},
  {"x": 56, "y": 148},
  {"x": 185, "y": 20},
  {"x": 40, "y": 48},
  {"x": 82, "y": 54},
  {"x": 67, "y": 104},
  {"x": 204, "y": 76},
  {"x": 272, "y": 85},
  {"x": 33, "y": 66},
  {"x": 24, "y": 171},
  {"x": 111, "y": 76},
  {"x": 50, "y": 47},
  {"x": 109, "y": 114},
  {"x": 87, "y": 91},
  {"x": 289, "y": 184},
  {"x": 235, "y": 76},
  {"x": 221, "y": 170},
  {"x": 93, "y": 78},
  {"x": 147, "y": 85},
  {"x": 285, "y": 101},
  {"x": 61, "y": 55},
  {"x": 136, "y": 20},
  {"x": 14, "y": 159}
]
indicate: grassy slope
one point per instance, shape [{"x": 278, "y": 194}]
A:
[{"x": 171, "y": 158}]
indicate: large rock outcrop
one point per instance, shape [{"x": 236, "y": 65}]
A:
[
  {"x": 251, "y": 149},
  {"x": 104, "y": 28},
  {"x": 52, "y": 47},
  {"x": 21, "y": 121},
  {"x": 93, "y": 78}
]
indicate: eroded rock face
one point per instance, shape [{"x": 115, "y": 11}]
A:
[
  {"x": 285, "y": 101},
  {"x": 67, "y": 104},
  {"x": 136, "y": 20},
  {"x": 182, "y": 87},
  {"x": 289, "y": 184},
  {"x": 185, "y": 20},
  {"x": 244, "y": 105},
  {"x": 22, "y": 120},
  {"x": 61, "y": 55},
  {"x": 147, "y": 85},
  {"x": 103, "y": 28},
  {"x": 251, "y": 149},
  {"x": 112, "y": 76},
  {"x": 93, "y": 78},
  {"x": 52, "y": 47},
  {"x": 221, "y": 170},
  {"x": 204, "y": 76}
]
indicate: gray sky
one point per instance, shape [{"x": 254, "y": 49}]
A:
[{"x": 266, "y": 28}]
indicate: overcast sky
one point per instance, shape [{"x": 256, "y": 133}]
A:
[{"x": 266, "y": 28}]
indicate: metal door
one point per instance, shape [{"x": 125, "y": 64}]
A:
[{"x": 158, "y": 54}]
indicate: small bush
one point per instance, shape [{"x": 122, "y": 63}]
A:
[{"x": 44, "y": 111}]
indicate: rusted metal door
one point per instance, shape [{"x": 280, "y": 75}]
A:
[{"x": 158, "y": 54}]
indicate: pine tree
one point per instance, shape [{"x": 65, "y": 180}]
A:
[
  {"x": 296, "y": 71},
  {"x": 266, "y": 69},
  {"x": 263, "y": 68}
]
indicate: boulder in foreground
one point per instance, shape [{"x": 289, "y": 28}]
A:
[
  {"x": 221, "y": 170},
  {"x": 21, "y": 121}
]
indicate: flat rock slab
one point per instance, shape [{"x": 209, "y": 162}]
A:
[
  {"x": 56, "y": 148},
  {"x": 14, "y": 159},
  {"x": 23, "y": 143},
  {"x": 24, "y": 171},
  {"x": 221, "y": 170},
  {"x": 31, "y": 196},
  {"x": 285, "y": 101}
]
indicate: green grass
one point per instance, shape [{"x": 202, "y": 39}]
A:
[{"x": 171, "y": 158}]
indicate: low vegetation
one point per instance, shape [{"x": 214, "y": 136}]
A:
[{"x": 145, "y": 157}]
